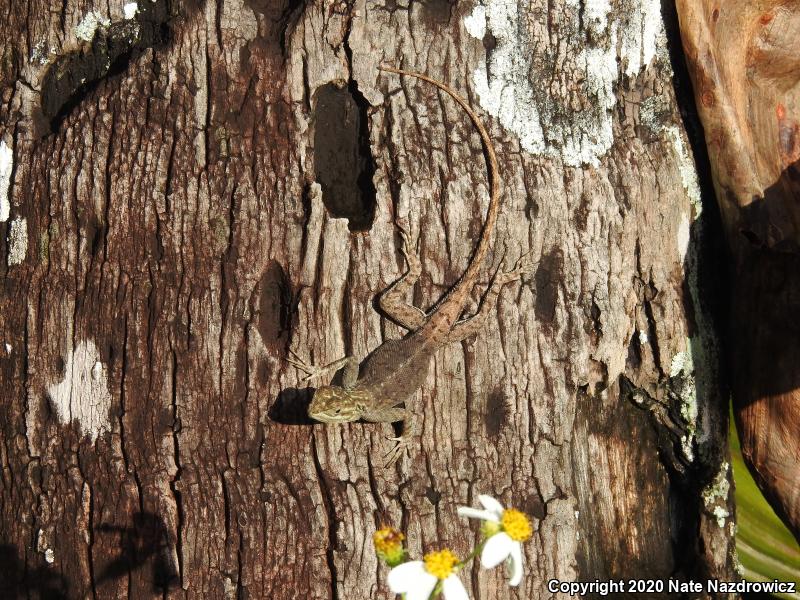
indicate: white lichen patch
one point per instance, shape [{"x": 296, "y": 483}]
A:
[
  {"x": 9, "y": 348},
  {"x": 17, "y": 241},
  {"x": 86, "y": 29},
  {"x": 129, "y": 10},
  {"x": 642, "y": 35},
  {"x": 510, "y": 95},
  {"x": 83, "y": 394},
  {"x": 686, "y": 168},
  {"x": 595, "y": 125},
  {"x": 41, "y": 55},
  {"x": 6, "y": 167},
  {"x": 43, "y": 546},
  {"x": 595, "y": 14},
  {"x": 684, "y": 385},
  {"x": 715, "y": 495},
  {"x": 643, "y": 338},
  {"x": 230, "y": 588},
  {"x": 682, "y": 362},
  {"x": 720, "y": 514},
  {"x": 549, "y": 119},
  {"x": 654, "y": 112}
]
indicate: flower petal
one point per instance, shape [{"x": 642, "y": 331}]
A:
[
  {"x": 476, "y": 513},
  {"x": 491, "y": 504},
  {"x": 401, "y": 577},
  {"x": 421, "y": 587},
  {"x": 515, "y": 560},
  {"x": 496, "y": 550},
  {"x": 453, "y": 589}
]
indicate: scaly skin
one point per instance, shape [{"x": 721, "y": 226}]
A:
[{"x": 378, "y": 388}]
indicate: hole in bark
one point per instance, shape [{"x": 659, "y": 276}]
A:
[
  {"x": 71, "y": 77},
  {"x": 548, "y": 274},
  {"x": 497, "y": 411},
  {"x": 438, "y": 12},
  {"x": 535, "y": 506},
  {"x": 342, "y": 156},
  {"x": 634, "y": 358},
  {"x": 432, "y": 495},
  {"x": 274, "y": 306}
]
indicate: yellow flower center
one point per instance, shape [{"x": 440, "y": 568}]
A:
[
  {"x": 387, "y": 540},
  {"x": 440, "y": 564},
  {"x": 389, "y": 545},
  {"x": 516, "y": 525}
]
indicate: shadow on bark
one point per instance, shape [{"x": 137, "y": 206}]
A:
[
  {"x": 291, "y": 407},
  {"x": 766, "y": 348},
  {"x": 146, "y": 542},
  {"x": 18, "y": 580}
]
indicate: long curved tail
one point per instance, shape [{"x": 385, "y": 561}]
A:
[{"x": 450, "y": 308}]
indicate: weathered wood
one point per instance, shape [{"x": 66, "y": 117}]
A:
[
  {"x": 746, "y": 73},
  {"x": 227, "y": 188}
]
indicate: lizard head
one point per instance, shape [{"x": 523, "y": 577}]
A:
[{"x": 334, "y": 404}]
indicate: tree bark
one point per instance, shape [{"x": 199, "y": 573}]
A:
[{"x": 194, "y": 188}]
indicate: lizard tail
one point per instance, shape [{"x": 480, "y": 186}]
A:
[{"x": 462, "y": 289}]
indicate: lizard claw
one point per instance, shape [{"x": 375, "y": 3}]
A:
[
  {"x": 405, "y": 238},
  {"x": 299, "y": 363},
  {"x": 402, "y": 444}
]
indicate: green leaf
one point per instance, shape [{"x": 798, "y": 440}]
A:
[{"x": 765, "y": 547}]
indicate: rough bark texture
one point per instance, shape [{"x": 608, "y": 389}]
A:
[
  {"x": 746, "y": 72},
  {"x": 199, "y": 187}
]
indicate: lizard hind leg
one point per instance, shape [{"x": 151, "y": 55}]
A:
[
  {"x": 392, "y": 302},
  {"x": 472, "y": 325}
]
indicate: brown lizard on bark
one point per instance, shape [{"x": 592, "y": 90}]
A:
[{"x": 377, "y": 389}]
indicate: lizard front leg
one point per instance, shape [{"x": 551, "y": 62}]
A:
[
  {"x": 392, "y": 302},
  {"x": 403, "y": 441},
  {"x": 349, "y": 374}
]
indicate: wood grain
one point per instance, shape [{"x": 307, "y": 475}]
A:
[{"x": 746, "y": 72}]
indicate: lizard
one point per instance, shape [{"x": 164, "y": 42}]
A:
[{"x": 378, "y": 388}]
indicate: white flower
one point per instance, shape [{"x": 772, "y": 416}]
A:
[
  {"x": 417, "y": 579},
  {"x": 505, "y": 529}
]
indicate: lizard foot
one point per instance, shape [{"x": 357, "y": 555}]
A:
[
  {"x": 402, "y": 444},
  {"x": 310, "y": 370},
  {"x": 523, "y": 266},
  {"x": 412, "y": 260}
]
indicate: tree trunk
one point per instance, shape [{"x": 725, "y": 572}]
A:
[{"x": 192, "y": 189}]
